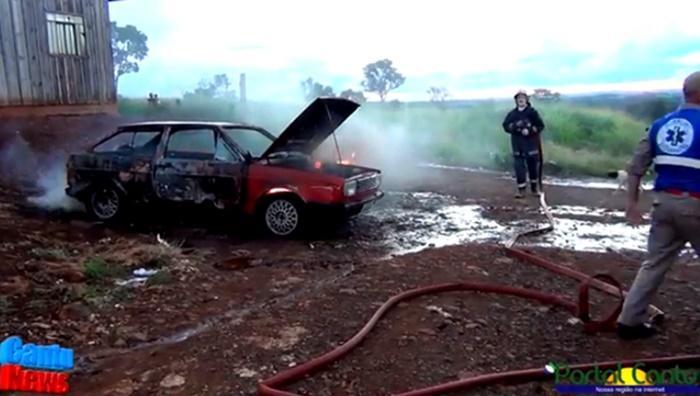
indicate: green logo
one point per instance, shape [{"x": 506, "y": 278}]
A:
[{"x": 635, "y": 375}]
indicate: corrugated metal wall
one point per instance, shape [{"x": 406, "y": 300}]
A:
[{"x": 31, "y": 75}]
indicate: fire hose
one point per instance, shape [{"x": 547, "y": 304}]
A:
[{"x": 603, "y": 282}]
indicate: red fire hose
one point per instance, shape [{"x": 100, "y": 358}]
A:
[{"x": 271, "y": 386}]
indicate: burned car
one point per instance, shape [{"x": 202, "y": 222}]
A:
[{"x": 275, "y": 180}]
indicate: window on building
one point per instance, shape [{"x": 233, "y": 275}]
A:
[{"x": 66, "y": 34}]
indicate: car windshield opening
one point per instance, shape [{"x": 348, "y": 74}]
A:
[{"x": 251, "y": 140}]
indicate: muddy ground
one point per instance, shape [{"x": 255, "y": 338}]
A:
[{"x": 197, "y": 305}]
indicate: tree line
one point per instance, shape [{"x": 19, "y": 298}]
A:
[{"x": 130, "y": 47}]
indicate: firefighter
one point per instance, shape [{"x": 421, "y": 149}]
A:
[
  {"x": 525, "y": 125},
  {"x": 672, "y": 143}
]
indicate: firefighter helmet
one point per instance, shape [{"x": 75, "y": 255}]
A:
[{"x": 521, "y": 92}]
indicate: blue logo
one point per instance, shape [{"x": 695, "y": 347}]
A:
[
  {"x": 676, "y": 136},
  {"x": 49, "y": 357}
]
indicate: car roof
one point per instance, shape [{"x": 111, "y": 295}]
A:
[{"x": 221, "y": 124}]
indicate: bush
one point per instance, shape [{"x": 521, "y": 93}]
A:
[{"x": 97, "y": 269}]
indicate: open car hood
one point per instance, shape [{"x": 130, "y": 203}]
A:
[{"x": 310, "y": 128}]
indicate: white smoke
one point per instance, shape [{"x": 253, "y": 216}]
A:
[
  {"x": 20, "y": 165},
  {"x": 53, "y": 183},
  {"x": 394, "y": 147}
]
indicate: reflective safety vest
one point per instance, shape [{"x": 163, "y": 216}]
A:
[{"x": 675, "y": 147}]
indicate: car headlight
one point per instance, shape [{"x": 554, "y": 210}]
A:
[{"x": 350, "y": 188}]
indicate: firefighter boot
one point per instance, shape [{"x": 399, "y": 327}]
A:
[
  {"x": 534, "y": 188},
  {"x": 520, "y": 193}
]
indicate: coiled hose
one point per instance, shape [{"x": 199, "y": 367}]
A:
[{"x": 272, "y": 385}]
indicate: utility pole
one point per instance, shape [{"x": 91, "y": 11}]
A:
[{"x": 242, "y": 88}]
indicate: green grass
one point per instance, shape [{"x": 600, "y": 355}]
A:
[
  {"x": 160, "y": 278},
  {"x": 5, "y": 306},
  {"x": 581, "y": 140},
  {"x": 97, "y": 269},
  {"x": 49, "y": 253}
]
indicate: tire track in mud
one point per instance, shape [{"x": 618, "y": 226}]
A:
[{"x": 91, "y": 361}]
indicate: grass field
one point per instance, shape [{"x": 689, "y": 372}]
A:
[{"x": 578, "y": 140}]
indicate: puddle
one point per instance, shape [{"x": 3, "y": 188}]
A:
[
  {"x": 571, "y": 210},
  {"x": 590, "y": 236},
  {"x": 412, "y": 222},
  {"x": 599, "y": 183},
  {"x": 416, "y": 221}
]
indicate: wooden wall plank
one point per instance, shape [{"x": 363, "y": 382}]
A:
[
  {"x": 98, "y": 57},
  {"x": 48, "y": 88},
  {"x": 85, "y": 94},
  {"x": 68, "y": 80},
  {"x": 91, "y": 25},
  {"x": 51, "y": 5},
  {"x": 48, "y": 64},
  {"x": 32, "y": 22},
  {"x": 3, "y": 78},
  {"x": 10, "y": 55},
  {"x": 25, "y": 82},
  {"x": 107, "y": 62}
]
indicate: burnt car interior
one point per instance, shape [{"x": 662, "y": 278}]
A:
[
  {"x": 250, "y": 140},
  {"x": 138, "y": 142},
  {"x": 203, "y": 144},
  {"x": 192, "y": 144}
]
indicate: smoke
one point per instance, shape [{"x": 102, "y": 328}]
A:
[
  {"x": 39, "y": 174},
  {"x": 52, "y": 183},
  {"x": 393, "y": 146}
]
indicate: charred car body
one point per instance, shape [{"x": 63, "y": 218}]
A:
[{"x": 232, "y": 166}]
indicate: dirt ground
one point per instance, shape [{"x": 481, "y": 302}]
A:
[{"x": 223, "y": 309}]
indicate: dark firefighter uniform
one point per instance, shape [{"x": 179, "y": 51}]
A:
[
  {"x": 524, "y": 126},
  {"x": 672, "y": 143}
]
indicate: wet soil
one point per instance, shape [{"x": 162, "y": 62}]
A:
[{"x": 223, "y": 308}]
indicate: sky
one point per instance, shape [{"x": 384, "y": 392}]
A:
[{"x": 474, "y": 49}]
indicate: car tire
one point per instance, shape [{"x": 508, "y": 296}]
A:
[
  {"x": 105, "y": 202},
  {"x": 282, "y": 217}
]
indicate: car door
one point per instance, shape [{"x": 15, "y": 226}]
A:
[
  {"x": 198, "y": 166},
  {"x": 127, "y": 155}
]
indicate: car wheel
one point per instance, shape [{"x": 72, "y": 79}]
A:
[
  {"x": 282, "y": 217},
  {"x": 105, "y": 202}
]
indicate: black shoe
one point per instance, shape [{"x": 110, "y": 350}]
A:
[
  {"x": 635, "y": 332},
  {"x": 520, "y": 193}
]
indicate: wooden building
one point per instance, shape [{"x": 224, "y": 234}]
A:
[{"x": 55, "y": 58}]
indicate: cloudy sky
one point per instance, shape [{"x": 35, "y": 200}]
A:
[{"x": 473, "y": 48}]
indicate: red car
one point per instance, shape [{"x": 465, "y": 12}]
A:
[{"x": 228, "y": 165}]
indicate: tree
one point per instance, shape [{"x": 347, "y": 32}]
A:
[
  {"x": 218, "y": 88},
  {"x": 438, "y": 94},
  {"x": 546, "y": 94},
  {"x": 355, "y": 96},
  {"x": 313, "y": 89},
  {"x": 128, "y": 48},
  {"x": 651, "y": 107},
  {"x": 382, "y": 77}
]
